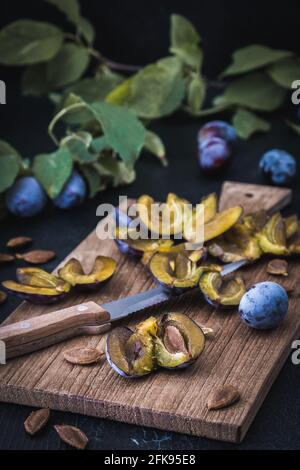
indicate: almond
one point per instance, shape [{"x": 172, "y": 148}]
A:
[
  {"x": 72, "y": 436},
  {"x": 36, "y": 421},
  {"x": 83, "y": 356},
  {"x": 18, "y": 242},
  {"x": 223, "y": 397},
  {"x": 37, "y": 256},
  {"x": 6, "y": 258},
  {"x": 278, "y": 267}
]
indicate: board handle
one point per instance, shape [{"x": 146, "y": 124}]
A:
[{"x": 42, "y": 331}]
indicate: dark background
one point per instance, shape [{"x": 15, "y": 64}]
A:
[{"x": 137, "y": 32}]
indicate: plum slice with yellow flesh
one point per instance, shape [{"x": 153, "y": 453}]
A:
[
  {"x": 168, "y": 220},
  {"x": 272, "y": 238},
  {"x": 222, "y": 222},
  {"x": 210, "y": 204},
  {"x": 219, "y": 292},
  {"x": 175, "y": 271},
  {"x": 131, "y": 353},
  {"x": 196, "y": 217},
  {"x": 129, "y": 242},
  {"x": 37, "y": 286},
  {"x": 236, "y": 244},
  {"x": 179, "y": 341},
  {"x": 39, "y": 278},
  {"x": 291, "y": 225},
  {"x": 72, "y": 272}
]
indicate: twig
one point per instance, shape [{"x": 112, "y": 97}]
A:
[{"x": 113, "y": 65}]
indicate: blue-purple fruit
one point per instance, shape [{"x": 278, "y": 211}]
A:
[
  {"x": 217, "y": 129},
  {"x": 278, "y": 166},
  {"x": 73, "y": 193},
  {"x": 26, "y": 197},
  {"x": 264, "y": 306},
  {"x": 214, "y": 154}
]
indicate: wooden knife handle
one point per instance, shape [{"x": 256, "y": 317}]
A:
[{"x": 41, "y": 331}]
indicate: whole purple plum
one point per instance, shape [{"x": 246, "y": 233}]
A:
[
  {"x": 214, "y": 154},
  {"x": 26, "y": 197},
  {"x": 218, "y": 129},
  {"x": 264, "y": 305},
  {"x": 279, "y": 166},
  {"x": 73, "y": 193}
]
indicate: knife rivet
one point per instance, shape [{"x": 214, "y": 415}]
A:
[{"x": 82, "y": 308}]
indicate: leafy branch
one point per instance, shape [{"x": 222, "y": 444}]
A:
[{"x": 106, "y": 112}]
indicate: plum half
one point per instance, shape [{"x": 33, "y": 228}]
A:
[
  {"x": 129, "y": 243},
  {"x": 238, "y": 243},
  {"x": 272, "y": 238},
  {"x": 176, "y": 271},
  {"x": 174, "y": 342},
  {"x": 131, "y": 353},
  {"x": 179, "y": 341},
  {"x": 38, "y": 286},
  {"x": 73, "y": 273},
  {"x": 219, "y": 292}
]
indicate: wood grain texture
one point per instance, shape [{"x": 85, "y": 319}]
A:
[
  {"x": 234, "y": 354},
  {"x": 252, "y": 196}
]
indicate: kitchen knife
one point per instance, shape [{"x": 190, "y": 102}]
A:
[{"x": 87, "y": 318}]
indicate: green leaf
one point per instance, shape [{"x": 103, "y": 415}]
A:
[
  {"x": 29, "y": 42},
  {"x": 97, "y": 88},
  {"x": 95, "y": 182},
  {"x": 99, "y": 144},
  {"x": 89, "y": 90},
  {"x": 7, "y": 149},
  {"x": 71, "y": 113},
  {"x": 125, "y": 134},
  {"x": 10, "y": 164},
  {"x": 70, "y": 8},
  {"x": 285, "y": 72},
  {"x": 252, "y": 58},
  {"x": 247, "y": 123},
  {"x": 79, "y": 146},
  {"x": 182, "y": 32},
  {"x": 196, "y": 93},
  {"x": 53, "y": 170},
  {"x": 295, "y": 127},
  {"x": 185, "y": 41},
  {"x": 155, "y": 145},
  {"x": 110, "y": 166},
  {"x": 256, "y": 91},
  {"x": 155, "y": 91},
  {"x": 87, "y": 30},
  {"x": 66, "y": 67}
]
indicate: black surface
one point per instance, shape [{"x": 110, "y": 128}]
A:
[{"x": 137, "y": 34}]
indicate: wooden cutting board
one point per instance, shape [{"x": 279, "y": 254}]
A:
[{"x": 173, "y": 401}]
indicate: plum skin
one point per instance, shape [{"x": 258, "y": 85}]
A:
[
  {"x": 73, "y": 193},
  {"x": 217, "y": 129},
  {"x": 278, "y": 166},
  {"x": 264, "y": 305},
  {"x": 214, "y": 154},
  {"x": 26, "y": 197}
]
